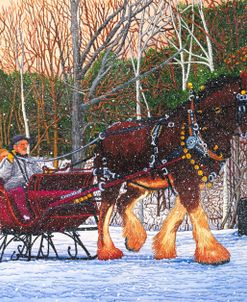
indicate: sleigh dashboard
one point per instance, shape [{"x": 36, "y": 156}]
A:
[{"x": 60, "y": 181}]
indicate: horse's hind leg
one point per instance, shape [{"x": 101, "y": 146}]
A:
[
  {"x": 133, "y": 231},
  {"x": 164, "y": 243},
  {"x": 106, "y": 247}
]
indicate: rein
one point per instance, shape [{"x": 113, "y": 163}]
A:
[
  {"x": 23, "y": 171},
  {"x": 61, "y": 156},
  {"x": 190, "y": 135}
]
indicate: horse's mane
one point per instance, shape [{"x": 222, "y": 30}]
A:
[
  {"x": 210, "y": 87},
  {"x": 216, "y": 84}
]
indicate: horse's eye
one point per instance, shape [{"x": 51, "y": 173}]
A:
[{"x": 217, "y": 110}]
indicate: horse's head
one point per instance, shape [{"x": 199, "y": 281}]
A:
[{"x": 222, "y": 113}]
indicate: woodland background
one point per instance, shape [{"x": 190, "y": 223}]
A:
[{"x": 70, "y": 68}]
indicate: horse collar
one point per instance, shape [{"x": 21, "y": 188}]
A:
[
  {"x": 192, "y": 142},
  {"x": 195, "y": 140}
]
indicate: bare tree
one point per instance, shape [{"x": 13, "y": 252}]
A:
[
  {"x": 149, "y": 26},
  {"x": 235, "y": 182},
  {"x": 107, "y": 37},
  {"x": 184, "y": 34},
  {"x": 20, "y": 64}
]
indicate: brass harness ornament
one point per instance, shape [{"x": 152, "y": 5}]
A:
[{"x": 193, "y": 141}]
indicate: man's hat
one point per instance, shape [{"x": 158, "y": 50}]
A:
[{"x": 16, "y": 138}]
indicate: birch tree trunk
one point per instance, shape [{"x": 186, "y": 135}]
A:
[
  {"x": 209, "y": 43},
  {"x": 226, "y": 197},
  {"x": 77, "y": 100},
  {"x": 21, "y": 69}
]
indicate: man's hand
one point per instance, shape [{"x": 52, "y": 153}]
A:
[{"x": 5, "y": 153}]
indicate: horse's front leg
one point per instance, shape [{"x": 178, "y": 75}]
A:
[
  {"x": 133, "y": 231},
  {"x": 106, "y": 247},
  {"x": 208, "y": 249},
  {"x": 164, "y": 243}
]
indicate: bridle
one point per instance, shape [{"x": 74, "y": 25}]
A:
[{"x": 193, "y": 142}]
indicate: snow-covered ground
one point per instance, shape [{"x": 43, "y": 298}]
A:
[{"x": 136, "y": 277}]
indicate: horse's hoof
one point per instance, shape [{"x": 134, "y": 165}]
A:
[
  {"x": 127, "y": 246},
  {"x": 133, "y": 246},
  {"x": 215, "y": 263},
  {"x": 217, "y": 256},
  {"x": 165, "y": 255},
  {"x": 109, "y": 254}
]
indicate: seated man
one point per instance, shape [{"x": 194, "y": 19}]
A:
[{"x": 15, "y": 169}]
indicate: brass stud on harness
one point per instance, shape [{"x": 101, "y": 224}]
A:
[
  {"x": 83, "y": 198},
  {"x": 190, "y": 85},
  {"x": 200, "y": 172},
  {"x": 188, "y": 156},
  {"x": 217, "y": 110}
]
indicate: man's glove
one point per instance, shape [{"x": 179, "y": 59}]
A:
[
  {"x": 5, "y": 153},
  {"x": 10, "y": 157}
]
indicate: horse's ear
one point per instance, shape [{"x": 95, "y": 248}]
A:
[{"x": 201, "y": 93}]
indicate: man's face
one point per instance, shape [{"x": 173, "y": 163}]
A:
[{"x": 21, "y": 147}]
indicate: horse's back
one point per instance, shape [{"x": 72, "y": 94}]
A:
[
  {"x": 129, "y": 138},
  {"x": 126, "y": 146}
]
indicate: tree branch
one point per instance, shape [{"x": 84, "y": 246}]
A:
[{"x": 121, "y": 86}]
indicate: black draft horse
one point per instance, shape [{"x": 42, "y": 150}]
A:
[{"x": 183, "y": 149}]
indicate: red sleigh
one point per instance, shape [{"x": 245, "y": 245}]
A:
[{"x": 52, "y": 203}]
